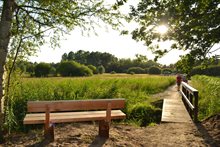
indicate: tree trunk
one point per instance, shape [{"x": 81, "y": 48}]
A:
[{"x": 5, "y": 27}]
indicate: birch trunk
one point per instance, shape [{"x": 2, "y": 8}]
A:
[{"x": 5, "y": 27}]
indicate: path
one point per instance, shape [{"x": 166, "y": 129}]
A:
[{"x": 174, "y": 109}]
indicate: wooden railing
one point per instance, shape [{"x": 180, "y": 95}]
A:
[{"x": 190, "y": 99}]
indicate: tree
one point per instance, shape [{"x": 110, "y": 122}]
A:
[
  {"x": 27, "y": 22},
  {"x": 101, "y": 69},
  {"x": 42, "y": 69},
  {"x": 193, "y": 25},
  {"x": 93, "y": 68},
  {"x": 154, "y": 70},
  {"x": 136, "y": 70},
  {"x": 185, "y": 64},
  {"x": 72, "y": 68}
]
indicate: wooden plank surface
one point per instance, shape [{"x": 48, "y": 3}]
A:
[
  {"x": 71, "y": 105},
  {"x": 174, "y": 110},
  {"x": 39, "y": 118}
]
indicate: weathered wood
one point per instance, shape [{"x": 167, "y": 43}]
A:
[
  {"x": 174, "y": 111},
  {"x": 104, "y": 114},
  {"x": 187, "y": 86},
  {"x": 48, "y": 127},
  {"x": 104, "y": 129},
  {"x": 190, "y": 97},
  {"x": 49, "y": 132},
  {"x": 71, "y": 105},
  {"x": 187, "y": 100},
  {"x": 108, "y": 113},
  {"x": 63, "y": 117}
]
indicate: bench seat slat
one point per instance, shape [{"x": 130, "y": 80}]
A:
[{"x": 39, "y": 118}]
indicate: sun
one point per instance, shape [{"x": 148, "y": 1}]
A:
[{"x": 161, "y": 29}]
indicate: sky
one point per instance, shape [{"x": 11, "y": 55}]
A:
[
  {"x": 122, "y": 46},
  {"x": 109, "y": 41}
]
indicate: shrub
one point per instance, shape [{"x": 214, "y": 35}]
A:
[
  {"x": 113, "y": 72},
  {"x": 146, "y": 70},
  {"x": 166, "y": 71},
  {"x": 154, "y": 70},
  {"x": 136, "y": 70},
  {"x": 72, "y": 68},
  {"x": 85, "y": 71},
  {"x": 209, "y": 71},
  {"x": 144, "y": 114},
  {"x": 101, "y": 69},
  {"x": 42, "y": 69},
  {"x": 93, "y": 68},
  {"x": 53, "y": 71}
]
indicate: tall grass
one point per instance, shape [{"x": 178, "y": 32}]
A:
[
  {"x": 209, "y": 95},
  {"x": 136, "y": 89}
]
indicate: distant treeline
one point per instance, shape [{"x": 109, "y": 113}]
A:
[
  {"x": 85, "y": 63},
  {"x": 212, "y": 70}
]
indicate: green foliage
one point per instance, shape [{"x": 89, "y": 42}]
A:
[
  {"x": 192, "y": 25},
  {"x": 154, "y": 70},
  {"x": 135, "y": 89},
  {"x": 209, "y": 95},
  {"x": 93, "y": 68},
  {"x": 101, "y": 69},
  {"x": 144, "y": 114},
  {"x": 146, "y": 70},
  {"x": 210, "y": 71},
  {"x": 113, "y": 72},
  {"x": 42, "y": 69},
  {"x": 72, "y": 68},
  {"x": 108, "y": 61},
  {"x": 136, "y": 70},
  {"x": 167, "y": 71}
]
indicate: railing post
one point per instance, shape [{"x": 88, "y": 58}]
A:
[
  {"x": 196, "y": 106},
  {"x": 191, "y": 101}
]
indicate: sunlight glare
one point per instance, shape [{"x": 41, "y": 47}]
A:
[{"x": 162, "y": 29}]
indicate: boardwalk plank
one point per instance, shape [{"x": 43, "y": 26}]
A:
[{"x": 174, "y": 110}]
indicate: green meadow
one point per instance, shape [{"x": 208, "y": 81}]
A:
[
  {"x": 136, "y": 89},
  {"x": 209, "y": 95}
]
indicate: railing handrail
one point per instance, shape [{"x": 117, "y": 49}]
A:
[
  {"x": 189, "y": 87},
  {"x": 188, "y": 102},
  {"x": 190, "y": 97}
]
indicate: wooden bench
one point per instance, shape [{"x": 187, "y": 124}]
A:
[{"x": 62, "y": 111}]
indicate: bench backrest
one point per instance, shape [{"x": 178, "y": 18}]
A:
[{"x": 72, "y": 105}]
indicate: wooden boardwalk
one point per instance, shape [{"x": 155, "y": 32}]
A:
[{"x": 174, "y": 109}]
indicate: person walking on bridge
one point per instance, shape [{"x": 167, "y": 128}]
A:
[{"x": 178, "y": 81}]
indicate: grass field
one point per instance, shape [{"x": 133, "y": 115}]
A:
[
  {"x": 209, "y": 95},
  {"x": 136, "y": 89}
]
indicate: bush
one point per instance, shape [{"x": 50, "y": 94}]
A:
[
  {"x": 154, "y": 70},
  {"x": 209, "y": 71},
  {"x": 42, "y": 69},
  {"x": 93, "y": 68},
  {"x": 146, "y": 70},
  {"x": 166, "y": 71},
  {"x": 72, "y": 68},
  {"x": 145, "y": 114},
  {"x": 136, "y": 70},
  {"x": 101, "y": 69},
  {"x": 113, "y": 72}
]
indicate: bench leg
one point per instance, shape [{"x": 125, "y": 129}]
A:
[
  {"x": 49, "y": 132},
  {"x": 104, "y": 129}
]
